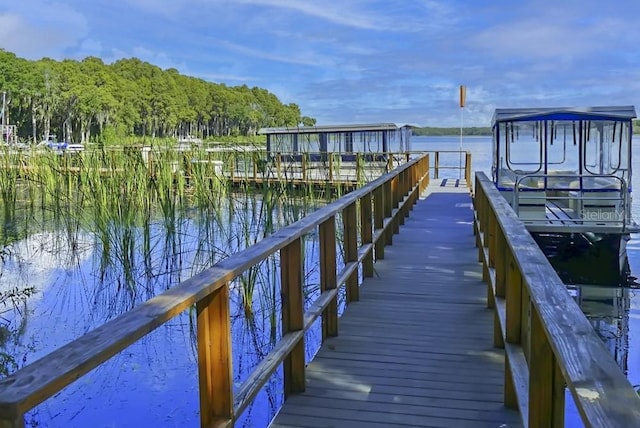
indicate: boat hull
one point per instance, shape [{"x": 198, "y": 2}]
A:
[{"x": 587, "y": 258}]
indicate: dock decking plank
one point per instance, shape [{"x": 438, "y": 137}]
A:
[{"x": 416, "y": 350}]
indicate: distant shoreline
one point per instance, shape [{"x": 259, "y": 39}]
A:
[{"x": 429, "y": 131}]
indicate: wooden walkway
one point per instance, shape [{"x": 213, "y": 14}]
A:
[{"x": 416, "y": 350}]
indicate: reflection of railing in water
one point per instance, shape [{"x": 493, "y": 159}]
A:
[
  {"x": 607, "y": 309},
  {"x": 370, "y": 215},
  {"x": 548, "y": 342}
]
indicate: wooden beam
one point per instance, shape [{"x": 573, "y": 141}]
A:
[
  {"x": 327, "y": 231},
  {"x": 293, "y": 315},
  {"x": 214, "y": 357},
  {"x": 366, "y": 232},
  {"x": 350, "y": 221}
]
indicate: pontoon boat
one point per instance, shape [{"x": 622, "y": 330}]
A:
[{"x": 567, "y": 174}]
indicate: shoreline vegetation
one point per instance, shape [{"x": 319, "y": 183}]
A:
[
  {"x": 90, "y": 102},
  {"x": 429, "y": 131}
]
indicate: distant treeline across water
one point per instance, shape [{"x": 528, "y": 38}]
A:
[
  {"x": 439, "y": 132},
  {"x": 476, "y": 130}
]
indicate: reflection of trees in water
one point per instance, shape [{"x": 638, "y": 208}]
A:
[{"x": 607, "y": 308}]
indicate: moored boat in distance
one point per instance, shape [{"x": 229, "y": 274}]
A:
[
  {"x": 566, "y": 172},
  {"x": 52, "y": 143}
]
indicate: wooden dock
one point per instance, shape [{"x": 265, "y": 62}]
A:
[{"x": 417, "y": 348}]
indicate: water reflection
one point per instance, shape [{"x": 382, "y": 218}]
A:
[
  {"x": 73, "y": 270},
  {"x": 607, "y": 308}
]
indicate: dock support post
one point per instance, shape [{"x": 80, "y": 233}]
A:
[
  {"x": 350, "y": 220},
  {"x": 215, "y": 357},
  {"x": 327, "y": 231},
  {"x": 293, "y": 315},
  {"x": 378, "y": 220},
  {"x": 388, "y": 209},
  {"x": 366, "y": 223}
]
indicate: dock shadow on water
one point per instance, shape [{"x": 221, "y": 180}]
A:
[{"x": 77, "y": 250}]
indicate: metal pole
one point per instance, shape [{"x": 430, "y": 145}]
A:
[
  {"x": 5, "y": 128},
  {"x": 463, "y": 100},
  {"x": 461, "y": 126}
]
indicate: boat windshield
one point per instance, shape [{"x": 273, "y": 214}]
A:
[{"x": 561, "y": 148}]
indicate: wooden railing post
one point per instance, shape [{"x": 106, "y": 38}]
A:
[
  {"x": 327, "y": 232},
  {"x": 395, "y": 203},
  {"x": 388, "y": 210},
  {"x": 279, "y": 166},
  {"x": 358, "y": 168},
  {"x": 254, "y": 169},
  {"x": 350, "y": 220},
  {"x": 378, "y": 219},
  {"x": 436, "y": 165},
  {"x": 542, "y": 366},
  {"x": 304, "y": 167},
  {"x": 293, "y": 315},
  {"x": 467, "y": 169},
  {"x": 403, "y": 190},
  {"x": 215, "y": 357},
  {"x": 330, "y": 167},
  {"x": 366, "y": 223}
]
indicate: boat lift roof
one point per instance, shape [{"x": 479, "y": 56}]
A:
[
  {"x": 330, "y": 129},
  {"x": 618, "y": 113}
]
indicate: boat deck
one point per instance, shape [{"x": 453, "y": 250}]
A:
[{"x": 417, "y": 349}]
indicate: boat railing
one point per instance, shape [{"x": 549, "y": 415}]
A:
[{"x": 593, "y": 200}]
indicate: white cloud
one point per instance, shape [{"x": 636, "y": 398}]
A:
[
  {"x": 34, "y": 28},
  {"x": 337, "y": 12}
]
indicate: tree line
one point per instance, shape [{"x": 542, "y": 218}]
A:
[
  {"x": 440, "y": 132},
  {"x": 484, "y": 131},
  {"x": 89, "y": 100}
]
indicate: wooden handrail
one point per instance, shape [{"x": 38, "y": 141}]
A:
[
  {"x": 548, "y": 341},
  {"x": 386, "y": 202}
]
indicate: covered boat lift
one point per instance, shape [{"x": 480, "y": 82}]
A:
[{"x": 373, "y": 142}]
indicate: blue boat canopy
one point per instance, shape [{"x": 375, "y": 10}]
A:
[{"x": 614, "y": 113}]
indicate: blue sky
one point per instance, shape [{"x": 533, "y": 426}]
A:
[{"x": 359, "y": 61}]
